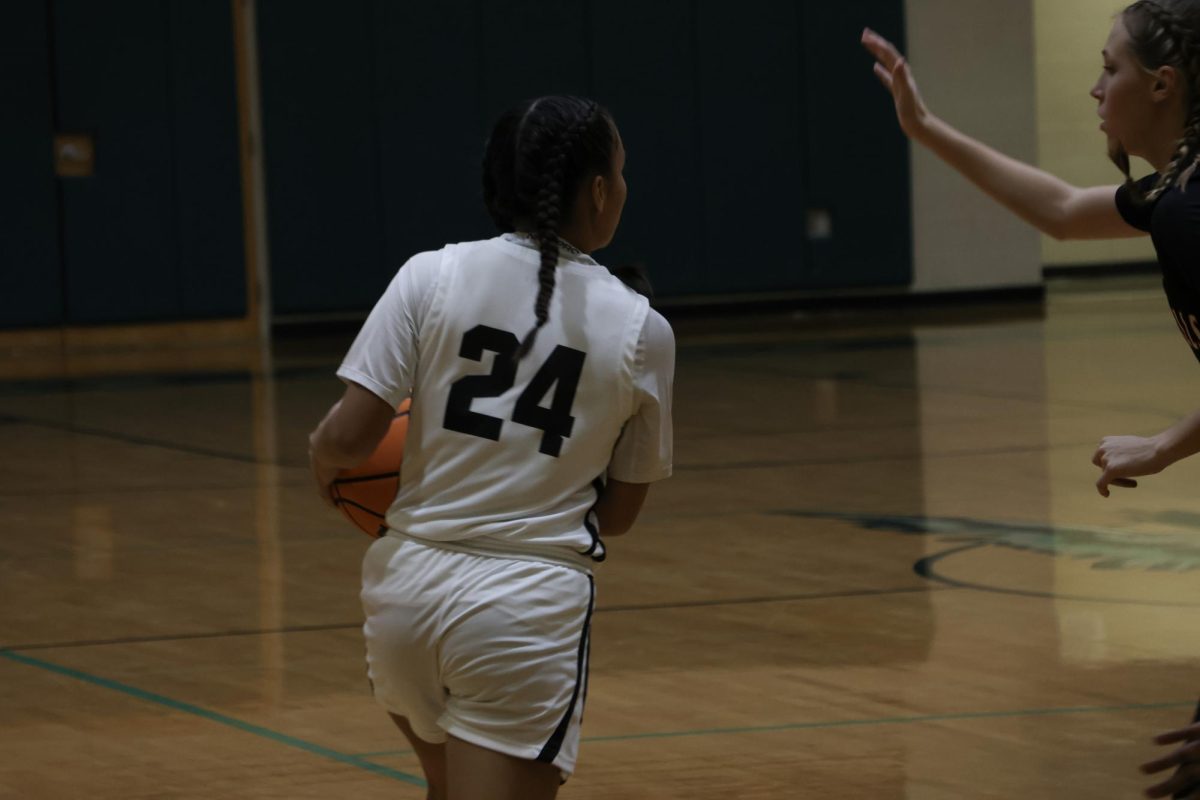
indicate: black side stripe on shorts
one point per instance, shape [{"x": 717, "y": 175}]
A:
[
  {"x": 550, "y": 750},
  {"x": 597, "y": 545}
]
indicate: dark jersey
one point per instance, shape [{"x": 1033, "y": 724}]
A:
[{"x": 1173, "y": 221}]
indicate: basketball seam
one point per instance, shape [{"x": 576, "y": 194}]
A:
[
  {"x": 360, "y": 507},
  {"x": 361, "y": 478}
]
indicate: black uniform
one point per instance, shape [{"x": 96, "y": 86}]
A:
[{"x": 1173, "y": 221}]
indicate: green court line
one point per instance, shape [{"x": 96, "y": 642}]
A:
[
  {"x": 848, "y": 723},
  {"x": 213, "y": 716}
]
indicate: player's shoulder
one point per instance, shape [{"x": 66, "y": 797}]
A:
[
  {"x": 419, "y": 274},
  {"x": 429, "y": 263},
  {"x": 1173, "y": 219},
  {"x": 425, "y": 260},
  {"x": 1185, "y": 200},
  {"x": 633, "y": 285},
  {"x": 459, "y": 249},
  {"x": 657, "y": 333}
]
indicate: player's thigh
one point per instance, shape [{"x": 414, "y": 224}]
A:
[
  {"x": 432, "y": 757},
  {"x": 476, "y": 773},
  {"x": 514, "y": 661}
]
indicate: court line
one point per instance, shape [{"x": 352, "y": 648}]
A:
[
  {"x": 237, "y": 724},
  {"x": 783, "y": 598},
  {"x": 732, "y": 601},
  {"x": 25, "y": 387},
  {"x": 146, "y": 441},
  {"x": 180, "y": 637},
  {"x": 866, "y": 379},
  {"x": 925, "y": 568},
  {"x": 981, "y": 452},
  {"x": 143, "y": 441},
  {"x": 191, "y": 488},
  {"x": 851, "y": 723}
]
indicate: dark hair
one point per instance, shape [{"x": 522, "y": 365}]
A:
[
  {"x": 635, "y": 276},
  {"x": 1166, "y": 33},
  {"x": 537, "y": 157}
]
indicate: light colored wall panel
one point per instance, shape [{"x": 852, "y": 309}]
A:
[
  {"x": 1068, "y": 38},
  {"x": 974, "y": 62}
]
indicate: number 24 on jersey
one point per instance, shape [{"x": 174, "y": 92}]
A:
[{"x": 560, "y": 372}]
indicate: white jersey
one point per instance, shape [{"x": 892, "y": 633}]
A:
[{"x": 508, "y": 457}]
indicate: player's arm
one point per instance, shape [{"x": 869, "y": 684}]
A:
[
  {"x": 1122, "y": 457},
  {"x": 1045, "y": 201},
  {"x": 347, "y": 435},
  {"x": 644, "y": 451},
  {"x": 619, "y": 506}
]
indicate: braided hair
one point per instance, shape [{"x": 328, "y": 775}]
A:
[
  {"x": 1167, "y": 33},
  {"x": 537, "y": 158}
]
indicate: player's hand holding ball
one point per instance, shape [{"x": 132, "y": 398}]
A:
[{"x": 365, "y": 493}]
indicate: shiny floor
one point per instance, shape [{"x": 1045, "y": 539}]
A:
[{"x": 881, "y": 569}]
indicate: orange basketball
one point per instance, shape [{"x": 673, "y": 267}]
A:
[{"x": 365, "y": 492}]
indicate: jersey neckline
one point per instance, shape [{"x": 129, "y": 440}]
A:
[{"x": 567, "y": 251}]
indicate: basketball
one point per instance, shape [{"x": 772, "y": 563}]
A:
[{"x": 365, "y": 492}]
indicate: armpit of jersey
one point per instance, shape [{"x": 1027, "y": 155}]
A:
[{"x": 1137, "y": 216}]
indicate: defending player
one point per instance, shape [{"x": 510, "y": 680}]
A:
[{"x": 1149, "y": 104}]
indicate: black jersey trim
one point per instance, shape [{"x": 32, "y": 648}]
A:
[
  {"x": 597, "y": 551},
  {"x": 555, "y": 743}
]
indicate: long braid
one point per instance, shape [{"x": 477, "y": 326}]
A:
[
  {"x": 1181, "y": 39},
  {"x": 548, "y": 217},
  {"x": 1187, "y": 158},
  {"x": 1174, "y": 41}
]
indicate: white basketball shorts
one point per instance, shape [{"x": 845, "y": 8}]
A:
[{"x": 491, "y": 650}]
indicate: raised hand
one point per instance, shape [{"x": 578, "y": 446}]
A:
[{"x": 893, "y": 72}]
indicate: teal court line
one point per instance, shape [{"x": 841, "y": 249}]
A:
[
  {"x": 360, "y": 760},
  {"x": 291, "y": 741},
  {"x": 848, "y": 723}
]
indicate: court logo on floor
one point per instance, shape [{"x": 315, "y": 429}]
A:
[{"x": 1089, "y": 563}]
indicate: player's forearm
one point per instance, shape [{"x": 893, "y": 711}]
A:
[
  {"x": 614, "y": 521},
  {"x": 337, "y": 444},
  {"x": 1180, "y": 440},
  {"x": 329, "y": 452},
  {"x": 619, "y": 506},
  {"x": 1036, "y": 196}
]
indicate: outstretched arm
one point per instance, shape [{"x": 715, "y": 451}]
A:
[{"x": 1050, "y": 204}]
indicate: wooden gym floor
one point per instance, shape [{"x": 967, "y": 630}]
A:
[{"x": 881, "y": 570}]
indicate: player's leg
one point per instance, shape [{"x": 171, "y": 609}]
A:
[
  {"x": 400, "y": 597},
  {"x": 476, "y": 773},
  {"x": 432, "y": 757}
]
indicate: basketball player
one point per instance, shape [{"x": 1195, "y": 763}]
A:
[
  {"x": 541, "y": 413},
  {"x": 1149, "y": 104}
]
